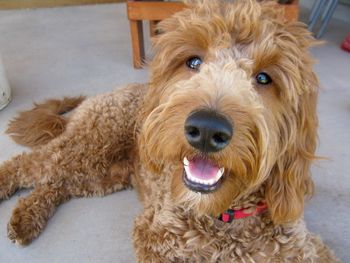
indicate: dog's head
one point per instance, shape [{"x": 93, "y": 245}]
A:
[{"x": 232, "y": 107}]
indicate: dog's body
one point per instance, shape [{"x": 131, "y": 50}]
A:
[{"x": 260, "y": 147}]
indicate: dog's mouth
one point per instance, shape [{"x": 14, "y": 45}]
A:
[{"x": 202, "y": 175}]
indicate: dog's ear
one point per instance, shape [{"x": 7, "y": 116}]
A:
[{"x": 290, "y": 180}]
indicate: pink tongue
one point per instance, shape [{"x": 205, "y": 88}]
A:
[{"x": 203, "y": 169}]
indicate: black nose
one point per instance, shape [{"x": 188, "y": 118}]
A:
[{"x": 208, "y": 131}]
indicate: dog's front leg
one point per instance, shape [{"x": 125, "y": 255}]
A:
[
  {"x": 32, "y": 212},
  {"x": 22, "y": 171},
  {"x": 33, "y": 170},
  {"x": 153, "y": 242}
]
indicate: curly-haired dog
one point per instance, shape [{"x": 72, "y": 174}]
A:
[{"x": 218, "y": 144}]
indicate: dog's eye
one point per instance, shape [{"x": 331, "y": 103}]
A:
[
  {"x": 194, "y": 63},
  {"x": 263, "y": 78}
]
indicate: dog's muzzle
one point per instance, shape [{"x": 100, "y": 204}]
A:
[{"x": 207, "y": 131}]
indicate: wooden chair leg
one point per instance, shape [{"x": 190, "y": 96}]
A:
[
  {"x": 152, "y": 27},
  {"x": 138, "y": 49}
]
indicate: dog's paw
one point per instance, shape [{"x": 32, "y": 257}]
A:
[
  {"x": 7, "y": 184},
  {"x": 23, "y": 227}
]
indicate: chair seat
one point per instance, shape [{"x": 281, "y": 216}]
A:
[{"x": 156, "y": 10}]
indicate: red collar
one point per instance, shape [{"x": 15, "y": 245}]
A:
[{"x": 231, "y": 214}]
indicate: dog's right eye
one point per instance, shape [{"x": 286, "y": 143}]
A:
[
  {"x": 194, "y": 63},
  {"x": 263, "y": 78}
]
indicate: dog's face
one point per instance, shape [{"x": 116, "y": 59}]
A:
[{"x": 232, "y": 107}]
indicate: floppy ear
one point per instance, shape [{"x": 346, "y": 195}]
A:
[{"x": 290, "y": 180}]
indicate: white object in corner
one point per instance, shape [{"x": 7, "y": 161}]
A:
[{"x": 5, "y": 91}]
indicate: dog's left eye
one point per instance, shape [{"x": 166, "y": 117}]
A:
[
  {"x": 263, "y": 78},
  {"x": 194, "y": 63}
]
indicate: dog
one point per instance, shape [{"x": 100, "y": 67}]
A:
[{"x": 218, "y": 144}]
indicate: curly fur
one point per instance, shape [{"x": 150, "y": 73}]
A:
[{"x": 134, "y": 137}]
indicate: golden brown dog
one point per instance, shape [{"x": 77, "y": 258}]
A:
[{"x": 218, "y": 144}]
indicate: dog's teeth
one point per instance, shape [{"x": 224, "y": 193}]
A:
[
  {"x": 219, "y": 174},
  {"x": 202, "y": 181},
  {"x": 187, "y": 170},
  {"x": 206, "y": 182},
  {"x": 186, "y": 162},
  {"x": 210, "y": 182},
  {"x": 222, "y": 170}
]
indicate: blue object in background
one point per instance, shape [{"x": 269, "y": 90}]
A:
[{"x": 325, "y": 9}]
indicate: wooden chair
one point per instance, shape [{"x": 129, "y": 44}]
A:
[{"x": 156, "y": 10}]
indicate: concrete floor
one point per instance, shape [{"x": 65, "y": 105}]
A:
[{"x": 86, "y": 50}]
